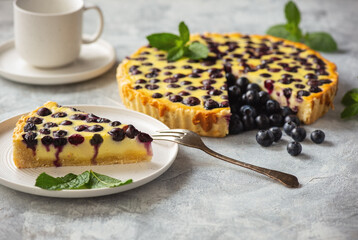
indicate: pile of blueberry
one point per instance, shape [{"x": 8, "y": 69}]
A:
[{"x": 252, "y": 108}]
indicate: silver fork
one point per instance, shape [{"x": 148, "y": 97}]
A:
[{"x": 191, "y": 139}]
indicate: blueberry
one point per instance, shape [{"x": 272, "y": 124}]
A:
[
  {"x": 117, "y": 134},
  {"x": 59, "y": 142},
  {"x": 34, "y": 120},
  {"x": 235, "y": 126},
  {"x": 95, "y": 128},
  {"x": 272, "y": 106},
  {"x": 96, "y": 140},
  {"x": 252, "y": 97},
  {"x": 242, "y": 82},
  {"x": 43, "y": 112},
  {"x": 143, "y": 137},
  {"x": 29, "y": 127},
  {"x": 263, "y": 97},
  {"x": 115, "y": 123},
  {"x": 211, "y": 104},
  {"x": 265, "y": 138},
  {"x": 59, "y": 133},
  {"x": 50, "y": 125},
  {"x": 59, "y": 115},
  {"x": 276, "y": 120},
  {"x": 298, "y": 134},
  {"x": 248, "y": 110},
  {"x": 66, "y": 122},
  {"x": 103, "y": 120},
  {"x": 294, "y": 148},
  {"x": 81, "y": 128},
  {"x": 234, "y": 92},
  {"x": 253, "y": 86},
  {"x": 131, "y": 131},
  {"x": 262, "y": 122},
  {"x": 30, "y": 139},
  {"x": 230, "y": 78},
  {"x": 78, "y": 116},
  {"x": 288, "y": 126},
  {"x": 45, "y": 131},
  {"x": 76, "y": 139},
  {"x": 277, "y": 133},
  {"x": 317, "y": 136},
  {"x": 47, "y": 140},
  {"x": 175, "y": 98},
  {"x": 191, "y": 101},
  {"x": 293, "y": 118},
  {"x": 286, "y": 111},
  {"x": 249, "y": 122}
]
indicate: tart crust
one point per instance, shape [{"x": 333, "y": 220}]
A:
[{"x": 215, "y": 122}]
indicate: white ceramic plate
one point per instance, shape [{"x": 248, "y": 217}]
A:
[
  {"x": 23, "y": 180},
  {"x": 95, "y": 59}
]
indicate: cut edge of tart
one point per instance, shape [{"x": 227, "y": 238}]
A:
[
  {"x": 75, "y": 138},
  {"x": 215, "y": 122}
]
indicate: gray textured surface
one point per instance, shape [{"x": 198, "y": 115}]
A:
[{"x": 200, "y": 197}]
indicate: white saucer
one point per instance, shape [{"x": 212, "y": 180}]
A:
[{"x": 94, "y": 60}]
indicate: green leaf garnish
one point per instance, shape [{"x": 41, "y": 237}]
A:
[
  {"x": 197, "y": 51},
  {"x": 175, "y": 54},
  {"x": 319, "y": 41},
  {"x": 348, "y": 98},
  {"x": 177, "y": 46},
  {"x": 85, "y": 180},
  {"x": 102, "y": 181},
  {"x": 350, "y": 111},
  {"x": 163, "y": 41},
  {"x": 292, "y": 13},
  {"x": 279, "y": 30},
  {"x": 184, "y": 32}
]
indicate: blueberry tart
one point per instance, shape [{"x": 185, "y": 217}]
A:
[
  {"x": 193, "y": 94},
  {"x": 53, "y": 135}
]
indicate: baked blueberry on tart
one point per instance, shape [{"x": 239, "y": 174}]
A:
[
  {"x": 193, "y": 94},
  {"x": 53, "y": 135}
]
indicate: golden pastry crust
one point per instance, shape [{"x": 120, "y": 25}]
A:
[
  {"x": 215, "y": 122},
  {"x": 74, "y": 155}
]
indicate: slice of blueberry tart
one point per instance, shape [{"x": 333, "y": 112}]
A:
[
  {"x": 193, "y": 94},
  {"x": 53, "y": 135}
]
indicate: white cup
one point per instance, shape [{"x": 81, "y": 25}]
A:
[{"x": 48, "y": 33}]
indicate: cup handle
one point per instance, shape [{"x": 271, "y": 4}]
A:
[{"x": 101, "y": 23}]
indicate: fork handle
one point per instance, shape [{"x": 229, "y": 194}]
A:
[{"x": 284, "y": 178}]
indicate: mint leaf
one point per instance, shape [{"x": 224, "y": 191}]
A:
[
  {"x": 295, "y": 32},
  {"x": 355, "y": 97},
  {"x": 292, "y": 13},
  {"x": 348, "y": 98},
  {"x": 175, "y": 53},
  {"x": 184, "y": 32},
  {"x": 86, "y": 180},
  {"x": 70, "y": 181},
  {"x": 321, "y": 41},
  {"x": 46, "y": 181},
  {"x": 102, "y": 181},
  {"x": 278, "y": 31},
  {"x": 196, "y": 51},
  {"x": 163, "y": 41},
  {"x": 350, "y": 111}
]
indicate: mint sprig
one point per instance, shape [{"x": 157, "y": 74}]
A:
[
  {"x": 178, "y": 46},
  {"x": 350, "y": 100},
  {"x": 320, "y": 41},
  {"x": 85, "y": 180}
]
